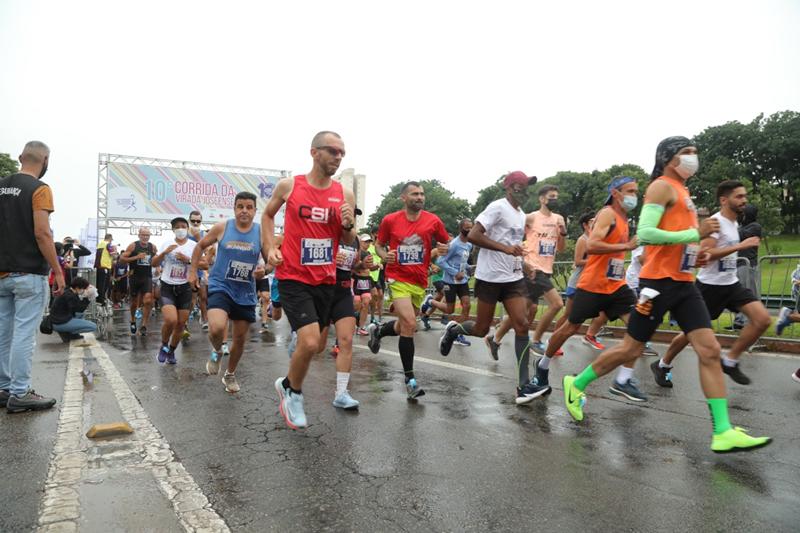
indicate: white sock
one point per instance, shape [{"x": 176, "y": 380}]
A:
[
  {"x": 623, "y": 375},
  {"x": 730, "y": 363},
  {"x": 544, "y": 362},
  {"x": 342, "y": 379},
  {"x": 662, "y": 364}
]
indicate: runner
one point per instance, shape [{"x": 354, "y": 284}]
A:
[
  {"x": 231, "y": 283},
  {"x": 120, "y": 273},
  {"x": 719, "y": 284},
  {"x": 263, "y": 290},
  {"x": 319, "y": 212},
  {"x": 140, "y": 254},
  {"x": 201, "y": 296},
  {"x": 498, "y": 232},
  {"x": 436, "y": 277},
  {"x": 790, "y": 315},
  {"x": 668, "y": 225},
  {"x": 176, "y": 293},
  {"x": 601, "y": 287},
  {"x": 404, "y": 243},
  {"x": 378, "y": 283},
  {"x": 632, "y": 279},
  {"x": 362, "y": 283}
]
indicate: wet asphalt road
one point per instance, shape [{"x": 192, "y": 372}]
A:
[{"x": 462, "y": 458}]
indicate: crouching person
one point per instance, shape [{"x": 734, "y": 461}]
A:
[{"x": 68, "y": 310}]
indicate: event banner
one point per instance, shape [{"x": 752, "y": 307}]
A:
[{"x": 162, "y": 193}]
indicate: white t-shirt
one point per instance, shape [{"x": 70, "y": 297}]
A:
[
  {"x": 173, "y": 271},
  {"x": 632, "y": 275},
  {"x": 505, "y": 225},
  {"x": 723, "y": 270}
]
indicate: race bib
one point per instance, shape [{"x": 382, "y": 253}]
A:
[
  {"x": 547, "y": 248},
  {"x": 345, "y": 258},
  {"x": 144, "y": 262},
  {"x": 239, "y": 271},
  {"x": 316, "y": 252},
  {"x": 517, "y": 265},
  {"x": 179, "y": 271},
  {"x": 363, "y": 284},
  {"x": 616, "y": 269},
  {"x": 689, "y": 257},
  {"x": 410, "y": 254},
  {"x": 728, "y": 264}
]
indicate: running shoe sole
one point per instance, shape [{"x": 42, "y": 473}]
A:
[
  {"x": 279, "y": 389},
  {"x": 522, "y": 400},
  {"x": 374, "y": 342},
  {"x": 442, "y": 350},
  {"x": 750, "y": 449},
  {"x": 619, "y": 392}
]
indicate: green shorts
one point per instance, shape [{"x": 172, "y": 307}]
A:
[{"x": 401, "y": 289}]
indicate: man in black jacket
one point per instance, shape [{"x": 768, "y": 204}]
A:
[{"x": 73, "y": 301}]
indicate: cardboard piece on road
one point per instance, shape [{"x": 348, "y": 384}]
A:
[{"x": 109, "y": 430}]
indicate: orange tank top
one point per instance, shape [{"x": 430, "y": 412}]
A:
[
  {"x": 673, "y": 261},
  {"x": 605, "y": 273}
]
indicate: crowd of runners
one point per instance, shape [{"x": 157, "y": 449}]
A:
[{"x": 320, "y": 272}]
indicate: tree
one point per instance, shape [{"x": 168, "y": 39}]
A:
[
  {"x": 438, "y": 200},
  {"x": 488, "y": 195},
  {"x": 8, "y": 166}
]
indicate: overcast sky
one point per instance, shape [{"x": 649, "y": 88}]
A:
[{"x": 459, "y": 91}]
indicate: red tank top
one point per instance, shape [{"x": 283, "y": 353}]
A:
[
  {"x": 312, "y": 227},
  {"x": 605, "y": 273}
]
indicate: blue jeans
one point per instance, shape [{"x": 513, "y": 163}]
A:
[
  {"x": 76, "y": 325},
  {"x": 22, "y": 303}
]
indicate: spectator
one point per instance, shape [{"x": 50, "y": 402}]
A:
[
  {"x": 68, "y": 310},
  {"x": 28, "y": 255},
  {"x": 748, "y": 272},
  {"x": 73, "y": 250},
  {"x": 103, "y": 264}
]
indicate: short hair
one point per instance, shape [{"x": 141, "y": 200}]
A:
[
  {"x": 408, "y": 185},
  {"x": 79, "y": 283},
  {"x": 316, "y": 142},
  {"x": 586, "y": 217},
  {"x": 727, "y": 187},
  {"x": 35, "y": 152},
  {"x": 546, "y": 189},
  {"x": 108, "y": 236},
  {"x": 244, "y": 195},
  {"x": 462, "y": 221},
  {"x": 196, "y": 212}
]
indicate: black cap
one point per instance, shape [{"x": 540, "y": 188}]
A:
[{"x": 179, "y": 219}]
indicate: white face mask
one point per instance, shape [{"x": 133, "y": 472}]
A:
[
  {"x": 181, "y": 234},
  {"x": 688, "y": 165},
  {"x": 629, "y": 203}
]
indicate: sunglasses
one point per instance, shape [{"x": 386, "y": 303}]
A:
[
  {"x": 335, "y": 152},
  {"x": 195, "y": 221}
]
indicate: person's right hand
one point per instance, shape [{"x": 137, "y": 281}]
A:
[
  {"x": 58, "y": 284},
  {"x": 708, "y": 226},
  {"x": 275, "y": 257},
  {"x": 751, "y": 242},
  {"x": 391, "y": 257},
  {"x": 459, "y": 276},
  {"x": 517, "y": 250}
]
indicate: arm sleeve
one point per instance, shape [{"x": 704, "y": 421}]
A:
[
  {"x": 650, "y": 234},
  {"x": 446, "y": 265}
]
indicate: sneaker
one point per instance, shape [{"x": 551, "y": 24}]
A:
[
  {"x": 292, "y": 344},
  {"x": 736, "y": 374},
  {"x": 539, "y": 347},
  {"x": 628, "y": 390},
  {"x": 4, "y": 394},
  {"x": 345, "y": 401},
  {"x": 163, "y": 353},
  {"x": 225, "y": 351},
  {"x": 171, "y": 359},
  {"x": 204, "y": 326},
  {"x": 374, "y": 341},
  {"x": 30, "y": 401},
  {"x": 212, "y": 365},
  {"x": 494, "y": 347},
  {"x": 143, "y": 331},
  {"x": 736, "y": 440},
  {"x": 542, "y": 378},
  {"x": 138, "y": 314},
  {"x": 461, "y": 340},
  {"x": 649, "y": 351},
  {"x": 229, "y": 380},
  {"x": 335, "y": 351},
  {"x": 591, "y": 340},
  {"x": 186, "y": 335},
  {"x": 448, "y": 337},
  {"x": 530, "y": 392},
  {"x": 663, "y": 375},
  {"x": 413, "y": 390},
  {"x": 426, "y": 304},
  {"x": 573, "y": 398},
  {"x": 605, "y": 331},
  {"x": 362, "y": 332},
  {"x": 133, "y": 328},
  {"x": 795, "y": 376},
  {"x": 444, "y": 320},
  {"x": 290, "y": 406},
  {"x": 426, "y": 322},
  {"x": 783, "y": 320}
]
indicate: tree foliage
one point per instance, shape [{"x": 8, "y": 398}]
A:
[{"x": 8, "y": 166}]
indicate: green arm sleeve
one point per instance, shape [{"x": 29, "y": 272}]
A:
[{"x": 650, "y": 234}]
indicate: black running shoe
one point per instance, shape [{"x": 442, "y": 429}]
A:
[
  {"x": 736, "y": 374},
  {"x": 494, "y": 348},
  {"x": 143, "y": 331},
  {"x": 448, "y": 337},
  {"x": 133, "y": 328},
  {"x": 663, "y": 375},
  {"x": 374, "y": 341}
]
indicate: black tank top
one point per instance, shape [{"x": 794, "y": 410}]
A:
[{"x": 142, "y": 267}]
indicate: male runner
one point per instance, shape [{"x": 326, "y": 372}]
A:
[
  {"x": 319, "y": 212},
  {"x": 668, "y": 225},
  {"x": 121, "y": 273},
  {"x": 176, "y": 293},
  {"x": 362, "y": 283},
  {"x": 498, "y": 232},
  {"x": 263, "y": 290},
  {"x": 404, "y": 243},
  {"x": 140, "y": 255},
  {"x": 231, "y": 283},
  {"x": 201, "y": 296},
  {"x": 436, "y": 276},
  {"x": 601, "y": 287},
  {"x": 378, "y": 283},
  {"x": 719, "y": 284}
]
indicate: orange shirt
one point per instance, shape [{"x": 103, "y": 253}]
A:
[
  {"x": 541, "y": 240},
  {"x": 605, "y": 273},
  {"x": 673, "y": 261}
]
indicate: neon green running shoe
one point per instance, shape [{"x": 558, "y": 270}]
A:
[
  {"x": 574, "y": 398},
  {"x": 736, "y": 440}
]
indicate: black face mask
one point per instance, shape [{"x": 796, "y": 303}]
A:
[
  {"x": 464, "y": 232},
  {"x": 552, "y": 205},
  {"x": 44, "y": 170}
]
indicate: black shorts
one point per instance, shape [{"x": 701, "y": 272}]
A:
[
  {"x": 451, "y": 290},
  {"x": 262, "y": 285},
  {"x": 681, "y": 298},
  {"x": 121, "y": 285},
  {"x": 721, "y": 297},
  {"x": 490, "y": 292},
  {"x": 540, "y": 284},
  {"x": 141, "y": 285},
  {"x": 178, "y": 295},
  {"x": 439, "y": 286},
  {"x": 342, "y": 304},
  {"x": 362, "y": 285},
  {"x": 220, "y": 300},
  {"x": 305, "y": 304},
  {"x": 587, "y": 304}
]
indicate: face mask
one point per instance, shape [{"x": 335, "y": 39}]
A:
[
  {"x": 552, "y": 205},
  {"x": 520, "y": 196},
  {"x": 180, "y": 234},
  {"x": 688, "y": 165},
  {"x": 629, "y": 203},
  {"x": 44, "y": 170},
  {"x": 464, "y": 232}
]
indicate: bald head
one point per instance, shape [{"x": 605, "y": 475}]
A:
[
  {"x": 319, "y": 138},
  {"x": 34, "y": 159}
]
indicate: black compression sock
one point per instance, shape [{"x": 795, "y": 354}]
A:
[
  {"x": 387, "y": 330},
  {"x": 406, "y": 346},
  {"x": 467, "y": 326},
  {"x": 522, "y": 350},
  {"x": 287, "y": 385}
]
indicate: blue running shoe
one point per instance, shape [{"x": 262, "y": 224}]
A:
[
  {"x": 530, "y": 392},
  {"x": 413, "y": 389},
  {"x": 461, "y": 340},
  {"x": 290, "y": 406},
  {"x": 163, "y": 354},
  {"x": 426, "y": 322},
  {"x": 426, "y": 304},
  {"x": 171, "y": 359},
  {"x": 345, "y": 401},
  {"x": 138, "y": 314},
  {"x": 212, "y": 365},
  {"x": 538, "y": 347}
]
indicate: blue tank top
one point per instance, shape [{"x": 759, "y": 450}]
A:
[{"x": 237, "y": 257}]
